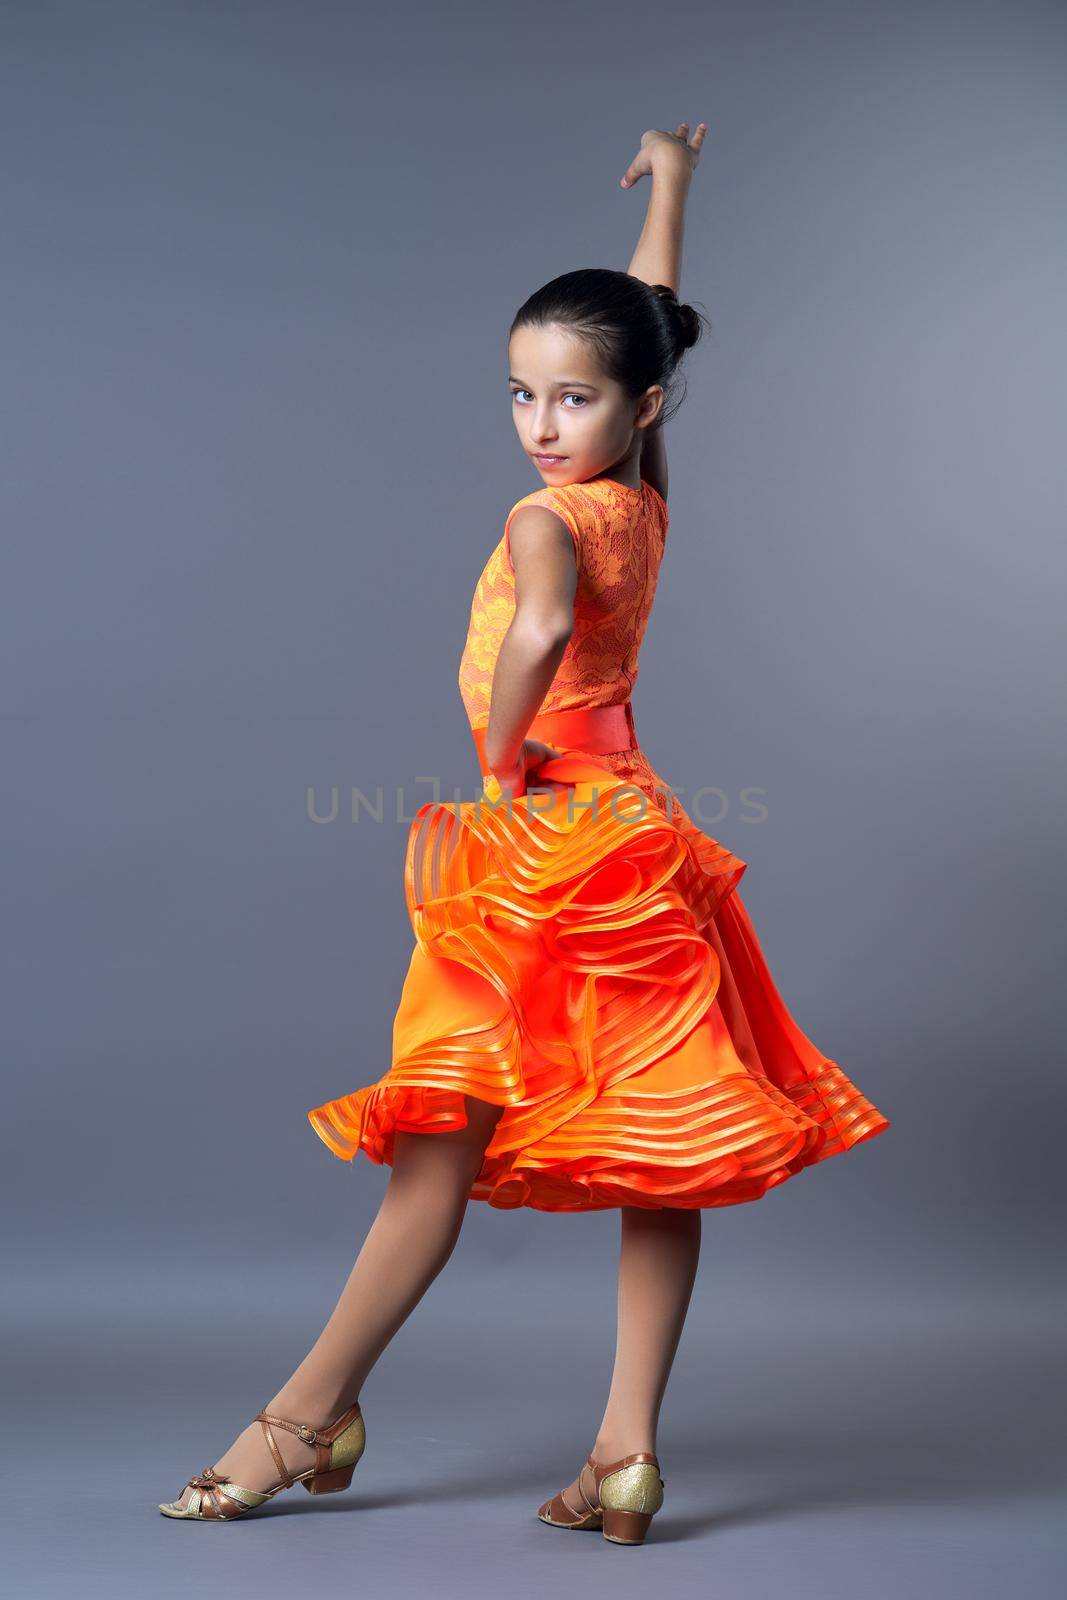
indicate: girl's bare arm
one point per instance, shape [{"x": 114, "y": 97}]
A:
[
  {"x": 546, "y": 576},
  {"x": 669, "y": 160}
]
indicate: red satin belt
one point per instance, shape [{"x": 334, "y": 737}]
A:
[{"x": 597, "y": 730}]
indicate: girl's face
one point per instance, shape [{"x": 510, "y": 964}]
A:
[{"x": 573, "y": 421}]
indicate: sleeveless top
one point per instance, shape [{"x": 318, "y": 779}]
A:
[{"x": 619, "y": 535}]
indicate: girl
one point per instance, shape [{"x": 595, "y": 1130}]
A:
[{"x": 588, "y": 1020}]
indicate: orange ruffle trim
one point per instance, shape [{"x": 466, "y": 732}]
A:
[{"x": 584, "y": 960}]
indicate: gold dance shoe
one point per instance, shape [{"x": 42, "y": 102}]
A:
[
  {"x": 216, "y": 1498},
  {"x": 625, "y": 1496}
]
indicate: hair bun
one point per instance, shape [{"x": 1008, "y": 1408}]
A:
[{"x": 685, "y": 320}]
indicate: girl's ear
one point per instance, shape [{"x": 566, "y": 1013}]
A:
[{"x": 650, "y": 406}]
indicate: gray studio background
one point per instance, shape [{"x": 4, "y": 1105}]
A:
[{"x": 260, "y": 262}]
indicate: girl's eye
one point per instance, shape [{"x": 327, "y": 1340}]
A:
[{"x": 516, "y": 394}]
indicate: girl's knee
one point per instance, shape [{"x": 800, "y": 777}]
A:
[
  {"x": 482, "y": 1118},
  {"x": 462, "y": 1149},
  {"x": 474, "y": 1139}
]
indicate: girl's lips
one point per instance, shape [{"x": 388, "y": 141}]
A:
[{"x": 549, "y": 461}]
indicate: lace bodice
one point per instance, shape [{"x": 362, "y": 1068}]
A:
[{"x": 619, "y": 536}]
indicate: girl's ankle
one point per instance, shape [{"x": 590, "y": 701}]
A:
[
  {"x": 609, "y": 1449},
  {"x": 316, "y": 1411}
]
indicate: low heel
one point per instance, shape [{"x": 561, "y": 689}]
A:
[
  {"x": 630, "y": 1496},
  {"x": 329, "y": 1482},
  {"x": 626, "y": 1527}
]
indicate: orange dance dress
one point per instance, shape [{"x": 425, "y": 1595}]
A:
[{"x": 583, "y": 957}]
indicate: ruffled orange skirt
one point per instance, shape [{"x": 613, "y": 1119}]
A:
[{"x": 583, "y": 958}]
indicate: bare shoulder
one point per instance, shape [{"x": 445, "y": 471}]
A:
[{"x": 540, "y": 525}]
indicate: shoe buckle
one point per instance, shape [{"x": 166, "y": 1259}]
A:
[{"x": 309, "y": 1435}]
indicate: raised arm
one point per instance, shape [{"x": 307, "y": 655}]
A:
[{"x": 669, "y": 161}]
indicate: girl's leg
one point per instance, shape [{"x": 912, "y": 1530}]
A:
[
  {"x": 411, "y": 1238},
  {"x": 658, "y": 1263}
]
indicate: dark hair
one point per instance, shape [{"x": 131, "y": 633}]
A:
[{"x": 640, "y": 331}]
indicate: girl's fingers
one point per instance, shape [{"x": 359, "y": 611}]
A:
[{"x": 639, "y": 165}]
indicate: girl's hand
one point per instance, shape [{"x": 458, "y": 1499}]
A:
[
  {"x": 510, "y": 783},
  {"x": 670, "y": 150}
]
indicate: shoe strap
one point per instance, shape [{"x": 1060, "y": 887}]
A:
[
  {"x": 602, "y": 1468},
  {"x": 581, "y": 1488},
  {"x": 305, "y": 1431},
  {"x": 279, "y": 1459},
  {"x": 321, "y": 1438}
]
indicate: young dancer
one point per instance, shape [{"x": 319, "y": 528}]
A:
[{"x": 588, "y": 1021}]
